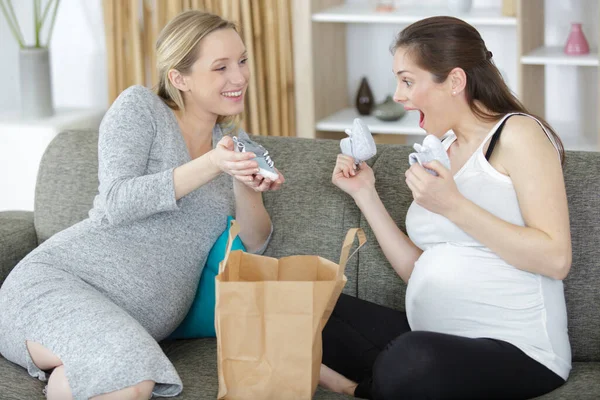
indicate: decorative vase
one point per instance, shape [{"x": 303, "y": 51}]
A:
[
  {"x": 389, "y": 110},
  {"x": 576, "y": 43},
  {"x": 364, "y": 98},
  {"x": 34, "y": 83},
  {"x": 460, "y": 6}
]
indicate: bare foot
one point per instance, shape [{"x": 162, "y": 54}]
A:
[{"x": 335, "y": 382}]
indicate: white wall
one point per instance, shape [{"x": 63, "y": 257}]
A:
[{"x": 77, "y": 51}]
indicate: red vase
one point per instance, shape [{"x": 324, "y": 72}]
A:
[{"x": 576, "y": 43}]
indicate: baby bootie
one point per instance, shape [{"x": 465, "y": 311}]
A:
[
  {"x": 431, "y": 149},
  {"x": 359, "y": 144}
]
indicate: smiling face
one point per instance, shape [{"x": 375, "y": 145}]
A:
[
  {"x": 218, "y": 79},
  {"x": 416, "y": 89}
]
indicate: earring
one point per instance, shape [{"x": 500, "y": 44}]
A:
[{"x": 453, "y": 93}]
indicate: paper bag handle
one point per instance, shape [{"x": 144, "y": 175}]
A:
[
  {"x": 234, "y": 230},
  {"x": 348, "y": 241}
]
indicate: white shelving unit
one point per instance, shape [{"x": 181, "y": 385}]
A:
[
  {"x": 554, "y": 55},
  {"x": 322, "y": 88},
  {"x": 535, "y": 59}
]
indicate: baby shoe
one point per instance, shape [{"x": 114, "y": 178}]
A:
[
  {"x": 431, "y": 149},
  {"x": 265, "y": 164},
  {"x": 359, "y": 144}
]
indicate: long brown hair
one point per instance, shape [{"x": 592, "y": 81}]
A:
[{"x": 440, "y": 44}]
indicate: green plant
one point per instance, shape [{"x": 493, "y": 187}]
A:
[{"x": 40, "y": 16}]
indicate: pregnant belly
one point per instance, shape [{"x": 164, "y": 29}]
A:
[
  {"x": 158, "y": 298},
  {"x": 470, "y": 292}
]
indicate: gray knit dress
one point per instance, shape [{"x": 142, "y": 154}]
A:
[{"x": 102, "y": 293}]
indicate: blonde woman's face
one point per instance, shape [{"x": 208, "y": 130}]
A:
[{"x": 219, "y": 77}]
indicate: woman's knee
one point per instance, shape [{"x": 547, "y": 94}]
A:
[
  {"x": 405, "y": 368},
  {"x": 58, "y": 387},
  {"x": 141, "y": 391},
  {"x": 43, "y": 358}
]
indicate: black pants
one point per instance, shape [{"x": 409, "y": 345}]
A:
[{"x": 374, "y": 346}]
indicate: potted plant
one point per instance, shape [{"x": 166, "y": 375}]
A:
[{"x": 34, "y": 58}]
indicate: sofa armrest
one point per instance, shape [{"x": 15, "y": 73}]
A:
[{"x": 17, "y": 239}]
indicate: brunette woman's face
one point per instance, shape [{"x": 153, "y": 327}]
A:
[{"x": 417, "y": 90}]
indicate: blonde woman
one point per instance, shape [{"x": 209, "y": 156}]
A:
[{"x": 86, "y": 309}]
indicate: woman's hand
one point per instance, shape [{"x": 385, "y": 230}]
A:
[
  {"x": 262, "y": 184},
  {"x": 242, "y": 166},
  {"x": 239, "y": 165},
  {"x": 350, "y": 178},
  {"x": 437, "y": 194}
]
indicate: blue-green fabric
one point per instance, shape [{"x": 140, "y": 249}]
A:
[{"x": 200, "y": 320}]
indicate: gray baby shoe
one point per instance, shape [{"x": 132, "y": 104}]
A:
[
  {"x": 265, "y": 164},
  {"x": 359, "y": 144},
  {"x": 431, "y": 149}
]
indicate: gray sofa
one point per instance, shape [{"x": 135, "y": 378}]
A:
[{"x": 311, "y": 216}]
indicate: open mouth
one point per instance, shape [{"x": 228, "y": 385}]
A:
[{"x": 421, "y": 116}]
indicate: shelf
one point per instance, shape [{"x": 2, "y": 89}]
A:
[
  {"x": 360, "y": 13},
  {"x": 555, "y": 56},
  {"x": 338, "y": 122}
]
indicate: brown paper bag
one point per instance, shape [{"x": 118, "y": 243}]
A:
[{"x": 269, "y": 318}]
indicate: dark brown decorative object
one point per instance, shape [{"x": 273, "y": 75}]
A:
[{"x": 364, "y": 98}]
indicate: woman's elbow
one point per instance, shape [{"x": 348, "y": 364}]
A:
[
  {"x": 112, "y": 208},
  {"x": 256, "y": 242},
  {"x": 562, "y": 265}
]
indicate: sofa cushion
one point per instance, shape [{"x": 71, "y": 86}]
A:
[
  {"x": 583, "y": 383},
  {"x": 17, "y": 239},
  {"x": 67, "y": 182},
  {"x": 582, "y": 286},
  {"x": 310, "y": 215},
  {"x": 16, "y": 384}
]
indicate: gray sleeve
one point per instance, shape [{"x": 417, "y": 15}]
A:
[{"x": 127, "y": 133}]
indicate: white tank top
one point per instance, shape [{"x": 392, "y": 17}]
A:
[{"x": 460, "y": 287}]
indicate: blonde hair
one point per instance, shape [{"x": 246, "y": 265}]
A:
[{"x": 177, "y": 48}]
